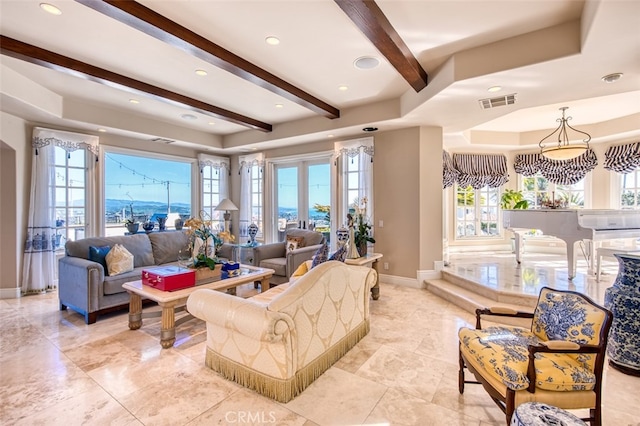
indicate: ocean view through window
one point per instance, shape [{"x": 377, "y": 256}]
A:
[{"x": 144, "y": 188}]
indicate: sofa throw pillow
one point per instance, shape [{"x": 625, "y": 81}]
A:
[
  {"x": 321, "y": 255},
  {"x": 99, "y": 255},
  {"x": 119, "y": 260},
  {"x": 340, "y": 255},
  {"x": 294, "y": 243}
]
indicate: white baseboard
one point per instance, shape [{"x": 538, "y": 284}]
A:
[
  {"x": 10, "y": 293},
  {"x": 417, "y": 282}
]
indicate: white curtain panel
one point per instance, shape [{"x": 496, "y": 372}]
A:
[
  {"x": 246, "y": 163},
  {"x": 222, "y": 166},
  {"x": 38, "y": 273}
]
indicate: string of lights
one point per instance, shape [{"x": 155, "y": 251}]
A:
[{"x": 147, "y": 180}]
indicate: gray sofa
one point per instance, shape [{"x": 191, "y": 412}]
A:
[
  {"x": 83, "y": 285},
  {"x": 285, "y": 262}
]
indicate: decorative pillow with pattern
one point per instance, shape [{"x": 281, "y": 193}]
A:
[
  {"x": 321, "y": 255},
  {"x": 340, "y": 254},
  {"x": 119, "y": 260},
  {"x": 294, "y": 243}
]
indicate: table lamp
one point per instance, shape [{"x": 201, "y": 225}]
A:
[{"x": 226, "y": 205}]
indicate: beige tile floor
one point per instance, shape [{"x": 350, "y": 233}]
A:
[{"x": 54, "y": 369}]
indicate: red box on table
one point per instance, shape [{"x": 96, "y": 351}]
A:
[{"x": 169, "y": 278}]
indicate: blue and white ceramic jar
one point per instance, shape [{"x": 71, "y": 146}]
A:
[{"x": 623, "y": 300}]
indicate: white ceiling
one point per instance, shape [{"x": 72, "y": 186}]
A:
[{"x": 550, "y": 53}]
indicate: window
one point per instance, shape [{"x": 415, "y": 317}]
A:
[
  {"x": 477, "y": 212},
  {"x": 214, "y": 175},
  {"x": 144, "y": 188},
  {"x": 538, "y": 191},
  {"x": 251, "y": 194},
  {"x": 354, "y": 160},
  {"x": 629, "y": 190},
  {"x": 70, "y": 195}
]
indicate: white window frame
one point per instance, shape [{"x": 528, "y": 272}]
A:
[
  {"x": 196, "y": 205},
  {"x": 635, "y": 175},
  {"x": 214, "y": 185},
  {"x": 553, "y": 189},
  {"x": 478, "y": 216}
]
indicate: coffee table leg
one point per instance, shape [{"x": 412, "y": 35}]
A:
[
  {"x": 135, "y": 311},
  {"x": 168, "y": 330},
  {"x": 264, "y": 284}
]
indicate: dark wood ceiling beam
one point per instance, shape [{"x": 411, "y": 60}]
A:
[
  {"x": 368, "y": 17},
  {"x": 52, "y": 60},
  {"x": 152, "y": 23}
]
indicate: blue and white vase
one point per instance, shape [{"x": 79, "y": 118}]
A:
[{"x": 623, "y": 300}]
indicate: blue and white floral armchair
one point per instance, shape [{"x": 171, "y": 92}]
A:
[{"x": 559, "y": 361}]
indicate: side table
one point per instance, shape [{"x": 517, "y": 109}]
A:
[
  {"x": 243, "y": 253},
  {"x": 371, "y": 261}
]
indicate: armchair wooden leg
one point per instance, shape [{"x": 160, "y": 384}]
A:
[{"x": 461, "y": 373}]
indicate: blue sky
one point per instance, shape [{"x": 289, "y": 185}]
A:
[
  {"x": 135, "y": 176},
  {"x": 140, "y": 178},
  {"x": 319, "y": 186}
]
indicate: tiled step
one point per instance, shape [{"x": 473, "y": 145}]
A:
[{"x": 462, "y": 293}]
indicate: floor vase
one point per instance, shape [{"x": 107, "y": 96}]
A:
[{"x": 623, "y": 300}]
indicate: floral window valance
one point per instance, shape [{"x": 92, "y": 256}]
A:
[
  {"x": 353, "y": 148},
  {"x": 560, "y": 172},
  {"x": 622, "y": 158},
  {"x": 66, "y": 140},
  {"x": 216, "y": 163},
  {"x": 448, "y": 172},
  {"x": 247, "y": 161},
  {"x": 479, "y": 170}
]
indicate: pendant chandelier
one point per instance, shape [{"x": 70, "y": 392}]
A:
[{"x": 563, "y": 149}]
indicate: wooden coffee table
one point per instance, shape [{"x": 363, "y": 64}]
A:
[{"x": 175, "y": 301}]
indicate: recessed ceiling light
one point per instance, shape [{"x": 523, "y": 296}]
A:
[
  {"x": 494, "y": 89},
  {"x": 272, "y": 40},
  {"x": 188, "y": 117},
  {"x": 343, "y": 88},
  {"x": 50, "y": 9},
  {"x": 201, "y": 72},
  {"x": 612, "y": 78},
  {"x": 366, "y": 62},
  {"x": 369, "y": 129},
  {"x": 331, "y": 135},
  {"x": 212, "y": 123},
  {"x": 102, "y": 130},
  {"x": 134, "y": 101},
  {"x": 279, "y": 106}
]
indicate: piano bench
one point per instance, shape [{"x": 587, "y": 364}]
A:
[{"x": 610, "y": 251}]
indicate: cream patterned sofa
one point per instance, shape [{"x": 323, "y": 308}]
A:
[{"x": 278, "y": 342}]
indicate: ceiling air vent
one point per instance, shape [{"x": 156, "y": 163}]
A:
[
  {"x": 499, "y": 101},
  {"x": 162, "y": 140}
]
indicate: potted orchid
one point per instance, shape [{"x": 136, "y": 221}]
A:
[{"x": 362, "y": 232}]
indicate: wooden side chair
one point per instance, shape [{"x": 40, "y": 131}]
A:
[{"x": 559, "y": 361}]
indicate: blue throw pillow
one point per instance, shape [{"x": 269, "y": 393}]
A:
[
  {"x": 340, "y": 255},
  {"x": 321, "y": 255},
  {"x": 99, "y": 254}
]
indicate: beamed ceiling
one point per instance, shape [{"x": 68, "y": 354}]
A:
[{"x": 436, "y": 60}]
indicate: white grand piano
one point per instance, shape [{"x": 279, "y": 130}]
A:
[{"x": 572, "y": 226}]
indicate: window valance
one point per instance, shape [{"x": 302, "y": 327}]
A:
[
  {"x": 216, "y": 163},
  {"x": 560, "y": 172},
  {"x": 66, "y": 140},
  {"x": 480, "y": 170},
  {"x": 622, "y": 158},
  {"x": 249, "y": 160},
  {"x": 448, "y": 172},
  {"x": 353, "y": 148}
]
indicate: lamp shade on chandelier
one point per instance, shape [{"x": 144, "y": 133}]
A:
[{"x": 561, "y": 147}]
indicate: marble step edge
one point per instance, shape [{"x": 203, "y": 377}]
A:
[
  {"x": 470, "y": 301},
  {"x": 527, "y": 300}
]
